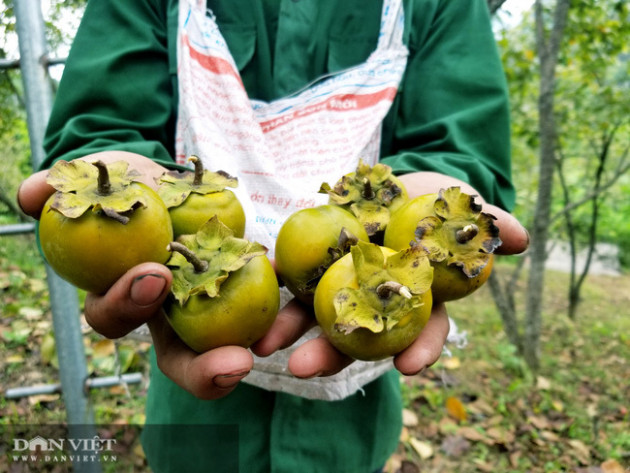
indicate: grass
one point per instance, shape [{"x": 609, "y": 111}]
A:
[
  {"x": 479, "y": 410},
  {"x": 570, "y": 416}
]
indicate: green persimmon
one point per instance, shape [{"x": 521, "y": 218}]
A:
[
  {"x": 459, "y": 238},
  {"x": 194, "y": 197},
  {"x": 374, "y": 302},
  {"x": 100, "y": 223},
  {"x": 309, "y": 241},
  {"x": 370, "y": 193},
  {"x": 225, "y": 290}
]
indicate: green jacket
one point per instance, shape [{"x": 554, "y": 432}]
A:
[
  {"x": 119, "y": 91},
  {"x": 451, "y": 115}
]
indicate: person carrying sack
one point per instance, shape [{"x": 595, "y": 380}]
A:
[{"x": 284, "y": 94}]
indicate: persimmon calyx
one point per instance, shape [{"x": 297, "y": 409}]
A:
[
  {"x": 389, "y": 288},
  {"x": 96, "y": 186},
  {"x": 367, "y": 193},
  {"x": 459, "y": 233},
  {"x": 216, "y": 246},
  {"x": 175, "y": 186}
]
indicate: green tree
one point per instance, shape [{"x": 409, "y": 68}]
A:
[
  {"x": 570, "y": 116},
  {"x": 593, "y": 150},
  {"x": 14, "y": 141},
  {"x": 549, "y": 25}
]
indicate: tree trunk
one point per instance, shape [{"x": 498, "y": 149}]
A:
[
  {"x": 503, "y": 296},
  {"x": 548, "y": 48}
]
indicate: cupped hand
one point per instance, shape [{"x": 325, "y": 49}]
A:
[
  {"x": 137, "y": 297},
  {"x": 317, "y": 357},
  {"x": 513, "y": 235}
]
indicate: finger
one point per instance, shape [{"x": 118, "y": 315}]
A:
[
  {"x": 291, "y": 323},
  {"x": 317, "y": 357},
  {"x": 135, "y": 298},
  {"x": 33, "y": 194},
  {"x": 514, "y": 237},
  {"x": 427, "y": 348},
  {"x": 207, "y": 376}
]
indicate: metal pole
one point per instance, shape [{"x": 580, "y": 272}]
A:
[
  {"x": 17, "y": 228},
  {"x": 37, "y": 88},
  {"x": 90, "y": 383},
  {"x": 63, "y": 296}
]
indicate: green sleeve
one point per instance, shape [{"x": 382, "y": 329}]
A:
[
  {"x": 452, "y": 113},
  {"x": 118, "y": 86}
]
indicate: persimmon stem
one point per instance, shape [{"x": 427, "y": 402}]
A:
[
  {"x": 388, "y": 288},
  {"x": 198, "y": 180},
  {"x": 368, "y": 192},
  {"x": 104, "y": 186},
  {"x": 467, "y": 233},
  {"x": 200, "y": 265}
]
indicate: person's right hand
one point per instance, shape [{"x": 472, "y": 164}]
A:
[{"x": 137, "y": 297}]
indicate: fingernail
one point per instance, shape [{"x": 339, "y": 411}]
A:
[
  {"x": 229, "y": 380},
  {"x": 17, "y": 198},
  {"x": 528, "y": 239},
  {"x": 147, "y": 289}
]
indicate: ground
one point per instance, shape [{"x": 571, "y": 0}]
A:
[{"x": 479, "y": 410}]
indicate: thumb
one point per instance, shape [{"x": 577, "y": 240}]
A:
[
  {"x": 133, "y": 300},
  {"x": 514, "y": 236},
  {"x": 33, "y": 194}
]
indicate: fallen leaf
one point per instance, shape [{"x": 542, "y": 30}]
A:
[
  {"x": 4, "y": 281},
  {"x": 31, "y": 313},
  {"x": 447, "y": 426},
  {"x": 471, "y": 433},
  {"x": 581, "y": 451},
  {"x": 557, "y": 405},
  {"x": 48, "y": 350},
  {"x": 429, "y": 429},
  {"x": 118, "y": 390},
  {"x": 500, "y": 435},
  {"x": 37, "y": 285},
  {"x": 455, "y": 446},
  {"x": 451, "y": 363},
  {"x": 103, "y": 348},
  {"x": 550, "y": 436},
  {"x": 612, "y": 466},
  {"x": 393, "y": 463},
  {"x": 539, "y": 422},
  {"x": 456, "y": 409},
  {"x": 423, "y": 449},
  {"x": 543, "y": 383},
  {"x": 410, "y": 418},
  {"x": 484, "y": 466},
  {"x": 514, "y": 457},
  {"x": 481, "y": 407},
  {"x": 39, "y": 398}
]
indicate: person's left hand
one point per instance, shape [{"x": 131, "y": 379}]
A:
[{"x": 317, "y": 357}]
